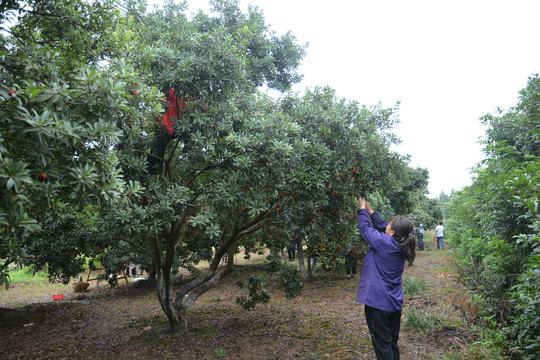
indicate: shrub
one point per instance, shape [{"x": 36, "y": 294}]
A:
[
  {"x": 274, "y": 262},
  {"x": 257, "y": 293},
  {"x": 495, "y": 223},
  {"x": 289, "y": 281},
  {"x": 488, "y": 267},
  {"x": 525, "y": 325}
]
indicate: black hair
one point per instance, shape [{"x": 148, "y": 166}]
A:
[{"x": 403, "y": 228}]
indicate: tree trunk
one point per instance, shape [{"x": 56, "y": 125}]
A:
[
  {"x": 176, "y": 306},
  {"x": 301, "y": 261},
  {"x": 177, "y": 319},
  {"x": 230, "y": 257},
  {"x": 305, "y": 275},
  {"x": 153, "y": 273}
]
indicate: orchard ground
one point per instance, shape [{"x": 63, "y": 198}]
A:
[{"x": 324, "y": 322}]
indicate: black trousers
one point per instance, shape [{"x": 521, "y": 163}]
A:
[
  {"x": 291, "y": 254},
  {"x": 350, "y": 265},
  {"x": 384, "y": 330}
]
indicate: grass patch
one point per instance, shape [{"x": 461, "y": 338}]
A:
[
  {"x": 25, "y": 274},
  {"x": 412, "y": 286},
  {"x": 220, "y": 354},
  {"x": 206, "y": 332},
  {"x": 476, "y": 352},
  {"x": 421, "y": 321}
]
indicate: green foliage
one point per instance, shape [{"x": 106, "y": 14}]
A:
[
  {"x": 494, "y": 223},
  {"x": 257, "y": 294},
  {"x": 525, "y": 325},
  {"x": 220, "y": 353},
  {"x": 117, "y": 258},
  {"x": 478, "y": 351},
  {"x": 414, "y": 185},
  {"x": 444, "y": 199},
  {"x": 65, "y": 95},
  {"x": 226, "y": 154},
  {"x": 68, "y": 259},
  {"x": 289, "y": 281},
  {"x": 410, "y": 199},
  {"x": 488, "y": 271},
  {"x": 288, "y": 277},
  {"x": 84, "y": 124},
  {"x": 426, "y": 211},
  {"x": 274, "y": 262},
  {"x": 342, "y": 153},
  {"x": 20, "y": 275},
  {"x": 7, "y": 8}
]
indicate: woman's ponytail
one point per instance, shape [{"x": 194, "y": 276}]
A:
[
  {"x": 403, "y": 228},
  {"x": 408, "y": 247}
]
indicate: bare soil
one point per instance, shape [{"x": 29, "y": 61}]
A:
[{"x": 324, "y": 322}]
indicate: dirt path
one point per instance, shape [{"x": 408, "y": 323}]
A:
[{"x": 324, "y": 322}]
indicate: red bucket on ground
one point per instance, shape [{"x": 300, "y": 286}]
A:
[{"x": 58, "y": 297}]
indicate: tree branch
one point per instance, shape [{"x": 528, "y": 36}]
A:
[
  {"x": 212, "y": 166},
  {"x": 189, "y": 300},
  {"x": 168, "y": 161},
  {"x": 157, "y": 248},
  {"x": 211, "y": 277}
]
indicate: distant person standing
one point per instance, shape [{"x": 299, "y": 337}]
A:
[
  {"x": 291, "y": 248},
  {"x": 440, "y": 235},
  {"x": 420, "y": 234}
]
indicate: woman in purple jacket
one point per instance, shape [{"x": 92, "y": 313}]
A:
[{"x": 390, "y": 244}]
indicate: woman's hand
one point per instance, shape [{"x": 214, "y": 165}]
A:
[
  {"x": 368, "y": 207},
  {"x": 362, "y": 202}
]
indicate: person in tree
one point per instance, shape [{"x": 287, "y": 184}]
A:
[{"x": 390, "y": 245}]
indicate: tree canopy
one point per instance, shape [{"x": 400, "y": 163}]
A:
[
  {"x": 147, "y": 130},
  {"x": 65, "y": 90}
]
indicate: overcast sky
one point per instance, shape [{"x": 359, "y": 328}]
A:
[{"x": 447, "y": 62}]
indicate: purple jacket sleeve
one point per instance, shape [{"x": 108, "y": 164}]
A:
[
  {"x": 373, "y": 237},
  {"x": 378, "y": 222}
]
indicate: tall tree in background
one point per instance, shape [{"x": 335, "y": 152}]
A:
[{"x": 444, "y": 199}]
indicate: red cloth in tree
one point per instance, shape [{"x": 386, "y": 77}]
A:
[{"x": 174, "y": 111}]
